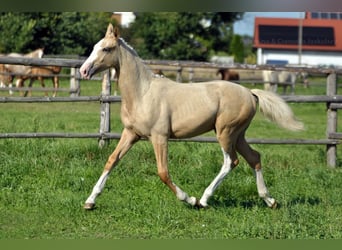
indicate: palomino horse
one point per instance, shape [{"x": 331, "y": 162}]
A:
[
  {"x": 113, "y": 78},
  {"x": 22, "y": 70},
  {"x": 39, "y": 73},
  {"x": 158, "y": 108}
]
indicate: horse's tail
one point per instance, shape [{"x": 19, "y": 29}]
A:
[{"x": 276, "y": 109}]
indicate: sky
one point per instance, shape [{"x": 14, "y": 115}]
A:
[
  {"x": 246, "y": 25},
  {"x": 242, "y": 27}
]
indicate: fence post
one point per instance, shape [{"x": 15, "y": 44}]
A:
[
  {"x": 75, "y": 82},
  {"x": 179, "y": 74},
  {"x": 105, "y": 110},
  {"x": 191, "y": 74},
  {"x": 331, "y": 120}
]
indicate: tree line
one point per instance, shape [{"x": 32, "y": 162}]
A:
[{"x": 157, "y": 35}]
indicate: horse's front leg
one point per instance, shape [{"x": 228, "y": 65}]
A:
[
  {"x": 128, "y": 138},
  {"x": 29, "y": 92},
  {"x": 20, "y": 84},
  {"x": 41, "y": 79},
  {"x": 160, "y": 146},
  {"x": 55, "y": 82},
  {"x": 10, "y": 85}
]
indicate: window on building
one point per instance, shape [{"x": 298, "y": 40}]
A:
[
  {"x": 315, "y": 15},
  {"x": 288, "y": 35},
  {"x": 324, "y": 15},
  {"x": 333, "y": 15}
]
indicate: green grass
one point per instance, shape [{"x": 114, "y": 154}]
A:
[{"x": 44, "y": 182}]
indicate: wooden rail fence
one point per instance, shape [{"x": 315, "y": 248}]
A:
[{"x": 332, "y": 100}]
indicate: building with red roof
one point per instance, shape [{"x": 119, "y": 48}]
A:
[{"x": 314, "y": 40}]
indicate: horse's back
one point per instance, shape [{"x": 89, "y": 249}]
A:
[
  {"x": 215, "y": 90},
  {"x": 14, "y": 54},
  {"x": 195, "y": 108}
]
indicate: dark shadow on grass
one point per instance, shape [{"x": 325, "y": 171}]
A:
[
  {"x": 313, "y": 201},
  {"x": 249, "y": 204},
  {"x": 231, "y": 203}
]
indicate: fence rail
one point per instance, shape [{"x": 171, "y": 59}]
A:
[
  {"x": 76, "y": 63},
  {"x": 332, "y": 100}
]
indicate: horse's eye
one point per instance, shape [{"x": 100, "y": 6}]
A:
[{"x": 106, "y": 49}]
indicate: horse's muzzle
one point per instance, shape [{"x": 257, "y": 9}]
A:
[{"x": 86, "y": 70}]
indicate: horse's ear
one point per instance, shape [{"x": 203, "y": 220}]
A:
[
  {"x": 110, "y": 30},
  {"x": 116, "y": 32}
]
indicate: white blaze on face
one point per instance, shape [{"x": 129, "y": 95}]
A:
[{"x": 90, "y": 60}]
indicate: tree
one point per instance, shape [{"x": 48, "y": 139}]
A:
[
  {"x": 57, "y": 32},
  {"x": 181, "y": 35},
  {"x": 16, "y": 32},
  {"x": 237, "y": 49}
]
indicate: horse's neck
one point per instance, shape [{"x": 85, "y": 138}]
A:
[{"x": 134, "y": 77}]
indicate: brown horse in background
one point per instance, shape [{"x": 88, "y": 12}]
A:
[
  {"x": 20, "y": 70},
  {"x": 228, "y": 75},
  {"x": 39, "y": 73}
]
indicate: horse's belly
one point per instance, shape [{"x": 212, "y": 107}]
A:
[{"x": 192, "y": 125}]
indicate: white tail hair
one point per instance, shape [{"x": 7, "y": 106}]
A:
[{"x": 277, "y": 110}]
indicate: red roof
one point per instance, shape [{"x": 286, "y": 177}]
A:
[{"x": 283, "y": 33}]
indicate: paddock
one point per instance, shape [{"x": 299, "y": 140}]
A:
[
  {"x": 332, "y": 100},
  {"x": 46, "y": 175}
]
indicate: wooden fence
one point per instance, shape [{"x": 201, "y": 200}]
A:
[{"x": 332, "y": 99}]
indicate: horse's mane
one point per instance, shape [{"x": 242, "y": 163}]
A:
[
  {"x": 128, "y": 47},
  {"x": 131, "y": 50}
]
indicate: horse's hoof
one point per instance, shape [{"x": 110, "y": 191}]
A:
[
  {"x": 274, "y": 205},
  {"x": 198, "y": 205},
  {"x": 89, "y": 206}
]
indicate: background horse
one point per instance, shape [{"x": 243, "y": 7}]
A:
[
  {"x": 284, "y": 78},
  {"x": 158, "y": 108},
  {"x": 5, "y": 78},
  {"x": 39, "y": 73},
  {"x": 22, "y": 70},
  {"x": 228, "y": 75}
]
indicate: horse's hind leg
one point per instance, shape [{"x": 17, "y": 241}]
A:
[
  {"x": 230, "y": 161},
  {"x": 253, "y": 159},
  {"x": 128, "y": 139}
]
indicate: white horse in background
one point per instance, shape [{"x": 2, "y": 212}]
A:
[
  {"x": 21, "y": 70},
  {"x": 284, "y": 78},
  {"x": 5, "y": 78}
]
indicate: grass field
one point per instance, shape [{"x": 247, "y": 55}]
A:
[{"x": 44, "y": 182}]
